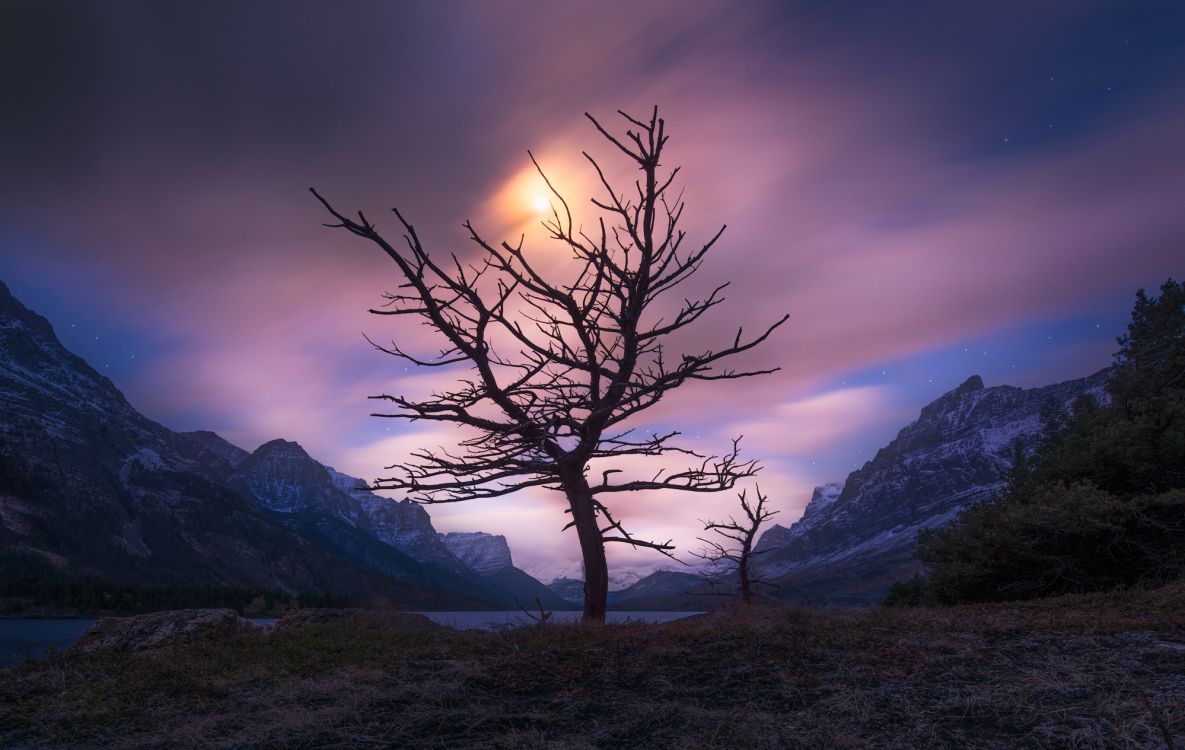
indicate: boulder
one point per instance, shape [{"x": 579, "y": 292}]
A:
[
  {"x": 161, "y": 628},
  {"x": 361, "y": 618}
]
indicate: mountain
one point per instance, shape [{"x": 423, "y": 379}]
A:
[
  {"x": 568, "y": 589},
  {"x": 300, "y": 494},
  {"x": 856, "y": 538},
  {"x": 211, "y": 451},
  {"x": 662, "y": 590},
  {"x": 400, "y": 523},
  {"x": 666, "y": 590},
  {"x": 90, "y": 488},
  {"x": 489, "y": 556},
  {"x": 342, "y": 514},
  {"x": 483, "y": 553},
  {"x": 779, "y": 536}
]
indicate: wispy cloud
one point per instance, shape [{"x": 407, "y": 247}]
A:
[{"x": 865, "y": 164}]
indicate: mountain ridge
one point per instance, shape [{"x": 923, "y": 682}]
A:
[
  {"x": 849, "y": 547},
  {"x": 118, "y": 496}
]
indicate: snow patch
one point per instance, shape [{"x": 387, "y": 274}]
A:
[{"x": 146, "y": 458}]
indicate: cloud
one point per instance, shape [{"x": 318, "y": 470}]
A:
[
  {"x": 816, "y": 424},
  {"x": 858, "y": 162}
]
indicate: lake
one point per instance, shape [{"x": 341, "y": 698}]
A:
[
  {"x": 491, "y": 620},
  {"x": 21, "y": 639}
]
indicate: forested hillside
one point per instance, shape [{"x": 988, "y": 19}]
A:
[{"x": 1099, "y": 504}]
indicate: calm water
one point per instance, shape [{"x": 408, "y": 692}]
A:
[
  {"x": 491, "y": 620},
  {"x": 21, "y": 639}
]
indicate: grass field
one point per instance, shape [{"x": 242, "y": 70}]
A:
[{"x": 1105, "y": 671}]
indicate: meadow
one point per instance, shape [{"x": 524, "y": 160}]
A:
[{"x": 1080, "y": 671}]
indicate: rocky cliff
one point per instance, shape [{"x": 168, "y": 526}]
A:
[{"x": 857, "y": 537}]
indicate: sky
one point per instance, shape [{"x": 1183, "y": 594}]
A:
[{"x": 931, "y": 190}]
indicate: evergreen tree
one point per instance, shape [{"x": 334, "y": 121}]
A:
[{"x": 1100, "y": 504}]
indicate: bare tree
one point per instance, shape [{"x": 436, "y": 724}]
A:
[
  {"x": 556, "y": 369},
  {"x": 743, "y": 534}
]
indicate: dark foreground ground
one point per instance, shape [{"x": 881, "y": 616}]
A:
[{"x": 1079, "y": 672}]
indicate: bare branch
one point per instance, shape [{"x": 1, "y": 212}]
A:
[
  {"x": 743, "y": 534},
  {"x": 551, "y": 370}
]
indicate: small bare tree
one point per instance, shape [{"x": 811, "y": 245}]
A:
[
  {"x": 557, "y": 368},
  {"x": 743, "y": 533}
]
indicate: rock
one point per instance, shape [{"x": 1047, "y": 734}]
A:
[
  {"x": 403, "y": 621},
  {"x": 160, "y": 629}
]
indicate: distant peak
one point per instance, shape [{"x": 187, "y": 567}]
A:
[
  {"x": 279, "y": 445},
  {"x": 973, "y": 383},
  {"x": 952, "y": 399},
  {"x": 825, "y": 495},
  {"x": 482, "y": 552},
  {"x": 11, "y": 307}
]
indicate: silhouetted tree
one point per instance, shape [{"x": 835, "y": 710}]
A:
[
  {"x": 558, "y": 367},
  {"x": 742, "y": 534}
]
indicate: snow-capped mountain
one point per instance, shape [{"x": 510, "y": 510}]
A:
[
  {"x": 483, "y": 553},
  {"x": 341, "y": 513},
  {"x": 400, "y": 523},
  {"x": 90, "y": 487},
  {"x": 568, "y": 589},
  {"x": 44, "y": 385},
  {"x": 779, "y": 536},
  {"x": 659, "y": 585},
  {"x": 488, "y": 555},
  {"x": 857, "y": 537},
  {"x": 282, "y": 478},
  {"x": 665, "y": 590}
]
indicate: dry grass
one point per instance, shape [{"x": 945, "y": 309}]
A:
[{"x": 1104, "y": 671}]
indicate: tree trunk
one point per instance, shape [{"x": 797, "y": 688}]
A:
[
  {"x": 743, "y": 570},
  {"x": 592, "y": 548}
]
